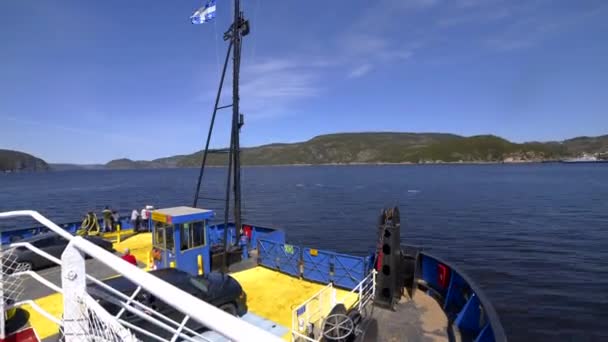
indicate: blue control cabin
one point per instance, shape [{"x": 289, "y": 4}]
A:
[
  {"x": 185, "y": 238},
  {"x": 179, "y": 237}
]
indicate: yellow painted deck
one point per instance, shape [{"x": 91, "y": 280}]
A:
[
  {"x": 274, "y": 295},
  {"x": 114, "y": 236},
  {"x": 140, "y": 246},
  {"x": 52, "y": 304},
  {"x": 270, "y": 294}
]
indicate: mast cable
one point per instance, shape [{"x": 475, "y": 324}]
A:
[{"x": 217, "y": 56}]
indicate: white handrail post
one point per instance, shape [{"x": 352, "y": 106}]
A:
[
  {"x": 2, "y": 299},
  {"x": 73, "y": 282},
  {"x": 332, "y": 298},
  {"x": 360, "y": 294},
  {"x": 374, "y": 272}
]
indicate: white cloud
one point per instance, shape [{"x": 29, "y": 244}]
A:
[
  {"x": 270, "y": 86},
  {"x": 365, "y": 51},
  {"x": 529, "y": 24},
  {"x": 47, "y": 129},
  {"x": 359, "y": 71},
  {"x": 278, "y": 80}
]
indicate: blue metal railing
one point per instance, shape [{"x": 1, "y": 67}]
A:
[
  {"x": 8, "y": 236},
  {"x": 321, "y": 266},
  {"x": 216, "y": 234}
]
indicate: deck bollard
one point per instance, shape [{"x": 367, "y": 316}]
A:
[{"x": 118, "y": 233}]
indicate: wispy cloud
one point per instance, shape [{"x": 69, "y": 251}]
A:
[
  {"x": 49, "y": 129},
  {"x": 44, "y": 125},
  {"x": 475, "y": 17},
  {"x": 364, "y": 52},
  {"x": 271, "y": 86},
  {"x": 392, "y": 32},
  {"x": 371, "y": 40},
  {"x": 359, "y": 71},
  {"x": 529, "y": 26},
  {"x": 275, "y": 78}
]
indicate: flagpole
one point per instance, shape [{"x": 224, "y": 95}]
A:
[
  {"x": 234, "y": 163},
  {"x": 238, "y": 29}
]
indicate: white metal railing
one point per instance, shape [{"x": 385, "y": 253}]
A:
[
  {"x": 307, "y": 317},
  {"x": 365, "y": 290},
  {"x": 126, "y": 303},
  {"x": 363, "y": 293},
  {"x": 83, "y": 316}
]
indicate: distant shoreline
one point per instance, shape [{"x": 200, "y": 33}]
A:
[
  {"x": 359, "y": 148},
  {"x": 327, "y": 164}
]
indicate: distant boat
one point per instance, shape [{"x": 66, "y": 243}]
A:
[{"x": 584, "y": 159}]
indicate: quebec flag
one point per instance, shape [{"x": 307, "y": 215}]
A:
[{"x": 204, "y": 14}]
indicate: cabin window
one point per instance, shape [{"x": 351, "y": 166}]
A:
[
  {"x": 163, "y": 236},
  {"x": 192, "y": 235},
  {"x": 185, "y": 236}
]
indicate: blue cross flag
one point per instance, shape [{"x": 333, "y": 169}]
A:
[{"x": 204, "y": 14}]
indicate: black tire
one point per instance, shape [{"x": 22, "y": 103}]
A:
[
  {"x": 229, "y": 308},
  {"x": 17, "y": 321}
]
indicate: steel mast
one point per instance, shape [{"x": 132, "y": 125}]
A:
[{"x": 235, "y": 34}]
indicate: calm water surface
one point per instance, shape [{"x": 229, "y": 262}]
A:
[{"x": 535, "y": 237}]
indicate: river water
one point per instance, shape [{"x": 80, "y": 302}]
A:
[{"x": 534, "y": 237}]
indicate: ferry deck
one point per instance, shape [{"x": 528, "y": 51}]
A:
[{"x": 278, "y": 297}]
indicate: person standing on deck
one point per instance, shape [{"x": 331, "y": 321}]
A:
[
  {"x": 128, "y": 257},
  {"x": 135, "y": 220},
  {"x": 145, "y": 216},
  {"x": 115, "y": 220},
  {"x": 107, "y": 219}
]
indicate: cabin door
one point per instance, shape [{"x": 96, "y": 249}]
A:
[{"x": 164, "y": 241}]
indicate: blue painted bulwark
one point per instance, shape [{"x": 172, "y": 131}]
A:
[
  {"x": 454, "y": 299},
  {"x": 267, "y": 254},
  {"x": 289, "y": 257},
  {"x": 462, "y": 301},
  {"x": 344, "y": 271},
  {"x": 469, "y": 317},
  {"x": 9, "y": 236},
  {"x": 281, "y": 257},
  {"x": 267, "y": 234},
  {"x": 216, "y": 234},
  {"x": 349, "y": 270},
  {"x": 486, "y": 334},
  {"x": 316, "y": 265}
]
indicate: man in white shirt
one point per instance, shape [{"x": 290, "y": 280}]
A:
[
  {"x": 135, "y": 220},
  {"x": 145, "y": 216}
]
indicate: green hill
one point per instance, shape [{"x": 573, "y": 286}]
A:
[
  {"x": 19, "y": 161},
  {"x": 332, "y": 149},
  {"x": 487, "y": 148},
  {"x": 587, "y": 144},
  {"x": 124, "y": 163},
  {"x": 353, "y": 148},
  {"x": 67, "y": 167}
]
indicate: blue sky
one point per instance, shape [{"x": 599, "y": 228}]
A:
[{"x": 90, "y": 81}]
